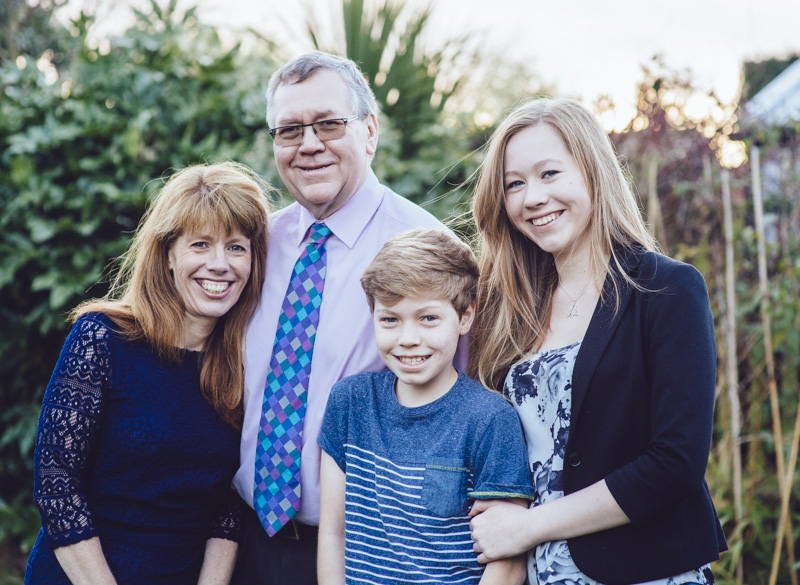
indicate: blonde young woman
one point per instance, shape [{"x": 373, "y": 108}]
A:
[
  {"x": 606, "y": 348},
  {"x": 138, "y": 438}
]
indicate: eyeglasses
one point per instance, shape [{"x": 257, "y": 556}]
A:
[{"x": 324, "y": 130}]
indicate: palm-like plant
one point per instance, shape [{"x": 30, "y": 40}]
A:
[{"x": 412, "y": 82}]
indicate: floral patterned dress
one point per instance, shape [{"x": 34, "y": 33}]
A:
[{"x": 540, "y": 388}]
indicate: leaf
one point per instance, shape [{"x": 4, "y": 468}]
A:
[
  {"x": 41, "y": 229},
  {"x": 60, "y": 294},
  {"x": 21, "y": 169},
  {"x": 44, "y": 281}
]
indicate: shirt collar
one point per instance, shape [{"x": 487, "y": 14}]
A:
[{"x": 350, "y": 219}]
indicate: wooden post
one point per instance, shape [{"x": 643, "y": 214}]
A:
[
  {"x": 784, "y": 520},
  {"x": 782, "y": 531},
  {"x": 786, "y": 174},
  {"x": 654, "y": 218},
  {"x": 731, "y": 359}
]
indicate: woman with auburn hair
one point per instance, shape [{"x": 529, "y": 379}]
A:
[
  {"x": 138, "y": 437},
  {"x": 606, "y": 349}
]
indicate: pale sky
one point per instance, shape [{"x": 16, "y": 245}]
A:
[{"x": 583, "y": 48}]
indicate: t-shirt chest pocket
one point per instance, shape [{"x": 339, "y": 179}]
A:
[{"x": 444, "y": 487}]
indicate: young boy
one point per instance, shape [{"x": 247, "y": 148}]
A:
[{"x": 404, "y": 451}]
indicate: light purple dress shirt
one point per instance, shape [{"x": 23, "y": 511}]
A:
[{"x": 345, "y": 342}]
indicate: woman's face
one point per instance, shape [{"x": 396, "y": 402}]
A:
[
  {"x": 210, "y": 268},
  {"x": 545, "y": 194}
]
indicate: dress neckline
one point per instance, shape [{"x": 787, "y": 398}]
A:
[{"x": 557, "y": 349}]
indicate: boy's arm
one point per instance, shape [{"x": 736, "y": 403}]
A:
[
  {"x": 511, "y": 571},
  {"x": 330, "y": 558}
]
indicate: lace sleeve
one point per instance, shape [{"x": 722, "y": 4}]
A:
[
  {"x": 68, "y": 428},
  {"x": 228, "y": 524}
]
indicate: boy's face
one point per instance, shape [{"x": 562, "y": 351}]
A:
[{"x": 417, "y": 339}]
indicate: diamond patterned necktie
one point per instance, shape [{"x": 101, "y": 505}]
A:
[{"x": 276, "y": 496}]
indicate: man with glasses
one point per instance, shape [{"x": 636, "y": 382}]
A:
[{"x": 313, "y": 325}]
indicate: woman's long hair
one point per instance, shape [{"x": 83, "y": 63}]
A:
[
  {"x": 518, "y": 278},
  {"x": 143, "y": 301}
]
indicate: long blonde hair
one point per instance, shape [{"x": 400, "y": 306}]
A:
[
  {"x": 517, "y": 278},
  {"x": 143, "y": 301}
]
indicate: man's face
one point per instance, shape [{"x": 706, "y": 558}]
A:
[{"x": 322, "y": 176}]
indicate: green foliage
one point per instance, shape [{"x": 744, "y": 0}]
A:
[
  {"x": 432, "y": 177},
  {"x": 412, "y": 82},
  {"x": 79, "y": 159},
  {"x": 26, "y": 28},
  {"x": 784, "y": 310}
]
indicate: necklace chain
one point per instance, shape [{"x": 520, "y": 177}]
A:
[{"x": 573, "y": 309}]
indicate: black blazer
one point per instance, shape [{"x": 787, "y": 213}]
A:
[{"x": 642, "y": 412}]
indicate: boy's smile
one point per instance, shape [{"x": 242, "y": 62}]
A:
[{"x": 417, "y": 339}]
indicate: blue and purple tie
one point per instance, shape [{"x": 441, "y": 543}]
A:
[{"x": 276, "y": 496}]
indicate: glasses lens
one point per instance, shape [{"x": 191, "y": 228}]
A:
[
  {"x": 330, "y": 129},
  {"x": 288, "y": 135},
  {"x": 324, "y": 130}
]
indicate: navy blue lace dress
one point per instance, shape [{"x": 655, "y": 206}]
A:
[{"x": 128, "y": 450}]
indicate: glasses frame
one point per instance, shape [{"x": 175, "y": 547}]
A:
[{"x": 345, "y": 121}]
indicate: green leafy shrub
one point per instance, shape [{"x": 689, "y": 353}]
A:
[{"x": 79, "y": 158}]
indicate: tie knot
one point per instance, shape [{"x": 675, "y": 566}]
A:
[{"x": 319, "y": 234}]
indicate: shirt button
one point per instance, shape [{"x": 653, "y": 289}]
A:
[{"x": 574, "y": 459}]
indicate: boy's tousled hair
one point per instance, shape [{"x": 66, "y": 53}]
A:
[{"x": 423, "y": 263}]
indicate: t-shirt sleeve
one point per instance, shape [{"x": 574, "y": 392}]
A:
[
  {"x": 69, "y": 425},
  {"x": 333, "y": 433},
  {"x": 501, "y": 460}
]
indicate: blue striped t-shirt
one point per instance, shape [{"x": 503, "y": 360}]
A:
[{"x": 410, "y": 473}]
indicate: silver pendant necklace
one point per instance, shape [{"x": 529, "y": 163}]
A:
[{"x": 573, "y": 310}]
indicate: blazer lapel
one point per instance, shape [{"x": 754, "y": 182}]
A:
[{"x": 604, "y": 323}]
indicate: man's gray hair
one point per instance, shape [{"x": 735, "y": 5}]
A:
[{"x": 362, "y": 100}]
